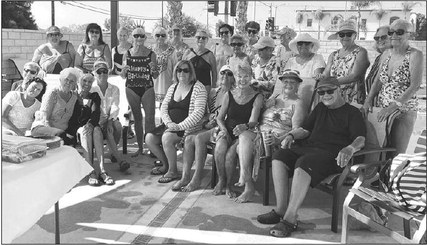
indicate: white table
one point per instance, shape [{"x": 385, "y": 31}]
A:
[{"x": 29, "y": 189}]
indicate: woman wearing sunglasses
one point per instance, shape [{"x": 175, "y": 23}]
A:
[
  {"x": 348, "y": 64},
  {"x": 30, "y": 71},
  {"x": 195, "y": 145},
  {"x": 19, "y": 108},
  {"x": 203, "y": 60},
  {"x": 222, "y": 50},
  {"x": 396, "y": 84},
  {"x": 238, "y": 116},
  {"x": 252, "y": 29},
  {"x": 140, "y": 69},
  {"x": 56, "y": 54},
  {"x": 59, "y": 109},
  {"x": 166, "y": 60},
  {"x": 181, "y": 112},
  {"x": 92, "y": 48},
  {"x": 237, "y": 42}
]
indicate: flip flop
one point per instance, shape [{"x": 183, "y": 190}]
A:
[
  {"x": 164, "y": 179},
  {"x": 157, "y": 171},
  {"x": 124, "y": 165},
  {"x": 93, "y": 179},
  {"x": 106, "y": 178}
]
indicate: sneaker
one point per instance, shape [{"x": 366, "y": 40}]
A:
[{"x": 269, "y": 218}]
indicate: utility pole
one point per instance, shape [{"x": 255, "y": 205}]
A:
[
  {"x": 52, "y": 4},
  {"x": 162, "y": 13},
  {"x": 207, "y": 15},
  {"x": 254, "y": 10},
  {"x": 226, "y": 12},
  {"x": 114, "y": 8}
]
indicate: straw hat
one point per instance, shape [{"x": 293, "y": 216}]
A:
[{"x": 304, "y": 37}]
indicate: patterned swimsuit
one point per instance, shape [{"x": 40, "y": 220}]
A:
[{"x": 395, "y": 85}]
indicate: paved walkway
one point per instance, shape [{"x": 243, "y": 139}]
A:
[{"x": 137, "y": 209}]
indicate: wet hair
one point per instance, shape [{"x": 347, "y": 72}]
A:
[
  {"x": 93, "y": 26},
  {"x": 253, "y": 25},
  {"x": 237, "y": 37},
  {"x": 43, "y": 83},
  {"x": 230, "y": 28},
  {"x": 193, "y": 78}
]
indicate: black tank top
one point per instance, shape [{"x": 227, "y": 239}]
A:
[
  {"x": 202, "y": 67},
  {"x": 58, "y": 68},
  {"x": 117, "y": 58},
  {"x": 139, "y": 73},
  {"x": 237, "y": 114},
  {"x": 178, "y": 111}
]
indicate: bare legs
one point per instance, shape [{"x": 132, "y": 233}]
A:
[
  {"x": 246, "y": 152},
  {"x": 225, "y": 160},
  {"x": 167, "y": 153}
]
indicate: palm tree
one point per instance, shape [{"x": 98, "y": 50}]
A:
[
  {"x": 174, "y": 14},
  {"x": 379, "y": 14},
  {"x": 319, "y": 15},
  {"x": 299, "y": 19},
  {"x": 242, "y": 16},
  {"x": 407, "y": 6},
  {"x": 360, "y": 5}
]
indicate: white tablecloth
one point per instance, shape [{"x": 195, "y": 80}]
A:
[{"x": 29, "y": 189}]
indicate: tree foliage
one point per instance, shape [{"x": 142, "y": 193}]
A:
[
  {"x": 189, "y": 25},
  {"x": 174, "y": 13},
  {"x": 361, "y": 5},
  {"x": 379, "y": 14},
  {"x": 318, "y": 15},
  {"x": 421, "y": 27},
  {"x": 17, "y": 15},
  {"x": 124, "y": 21},
  {"x": 242, "y": 17},
  {"x": 407, "y": 7}
]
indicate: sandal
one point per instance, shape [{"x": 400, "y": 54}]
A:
[
  {"x": 158, "y": 163},
  {"x": 269, "y": 218},
  {"x": 124, "y": 165},
  {"x": 283, "y": 229},
  {"x": 157, "y": 171},
  {"x": 93, "y": 179},
  {"x": 106, "y": 178},
  {"x": 164, "y": 180}
]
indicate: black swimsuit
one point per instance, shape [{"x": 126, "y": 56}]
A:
[
  {"x": 237, "y": 114},
  {"x": 178, "y": 111},
  {"x": 138, "y": 77},
  {"x": 202, "y": 67}
]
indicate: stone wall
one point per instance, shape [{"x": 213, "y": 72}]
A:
[{"x": 20, "y": 44}]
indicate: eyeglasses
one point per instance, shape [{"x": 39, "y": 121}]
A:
[
  {"x": 102, "y": 71},
  {"x": 94, "y": 32},
  {"x": 398, "y": 32},
  {"x": 199, "y": 37},
  {"x": 236, "y": 44},
  {"x": 330, "y": 91},
  {"x": 382, "y": 38},
  {"x": 139, "y": 36},
  {"x": 343, "y": 34},
  {"x": 54, "y": 34},
  {"x": 228, "y": 73},
  {"x": 303, "y": 43},
  {"x": 252, "y": 31},
  {"x": 30, "y": 71},
  {"x": 223, "y": 33},
  {"x": 160, "y": 35},
  {"x": 185, "y": 70}
]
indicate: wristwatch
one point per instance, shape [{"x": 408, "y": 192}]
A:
[{"x": 398, "y": 103}]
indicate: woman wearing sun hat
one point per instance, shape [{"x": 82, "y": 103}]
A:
[
  {"x": 56, "y": 54},
  {"x": 348, "y": 64}
]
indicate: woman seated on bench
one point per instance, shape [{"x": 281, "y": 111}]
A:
[{"x": 284, "y": 112}]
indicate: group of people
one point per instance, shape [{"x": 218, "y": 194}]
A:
[{"x": 240, "y": 94}]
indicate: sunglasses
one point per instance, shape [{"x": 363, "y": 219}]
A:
[
  {"x": 224, "y": 33},
  {"x": 343, "y": 34},
  {"x": 185, "y": 70},
  {"x": 102, "y": 71},
  {"x": 30, "y": 71},
  {"x": 54, "y": 34},
  {"x": 382, "y": 38},
  {"x": 139, "y": 36},
  {"x": 94, "y": 32},
  {"x": 199, "y": 37},
  {"x": 236, "y": 44},
  {"x": 252, "y": 31},
  {"x": 160, "y": 35},
  {"x": 228, "y": 73},
  {"x": 303, "y": 43},
  {"x": 330, "y": 91},
  {"x": 398, "y": 32}
]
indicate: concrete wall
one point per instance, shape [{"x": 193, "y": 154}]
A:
[{"x": 20, "y": 44}]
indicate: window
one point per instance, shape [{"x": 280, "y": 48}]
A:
[
  {"x": 393, "y": 19},
  {"x": 309, "y": 22}
]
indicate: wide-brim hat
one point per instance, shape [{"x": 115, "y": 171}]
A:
[
  {"x": 347, "y": 25},
  {"x": 289, "y": 73},
  {"x": 53, "y": 30},
  {"x": 264, "y": 42},
  {"x": 304, "y": 37},
  {"x": 328, "y": 82}
]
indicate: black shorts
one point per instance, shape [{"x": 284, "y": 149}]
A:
[
  {"x": 160, "y": 130},
  {"x": 318, "y": 163}
]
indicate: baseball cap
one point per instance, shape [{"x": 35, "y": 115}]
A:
[
  {"x": 99, "y": 65},
  {"x": 225, "y": 68},
  {"x": 264, "y": 42},
  {"x": 328, "y": 82}
]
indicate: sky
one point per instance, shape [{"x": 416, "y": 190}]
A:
[{"x": 284, "y": 11}]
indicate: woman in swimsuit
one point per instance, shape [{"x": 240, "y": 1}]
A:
[
  {"x": 203, "y": 61},
  {"x": 92, "y": 48},
  {"x": 140, "y": 69},
  {"x": 56, "y": 54},
  {"x": 118, "y": 51}
]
